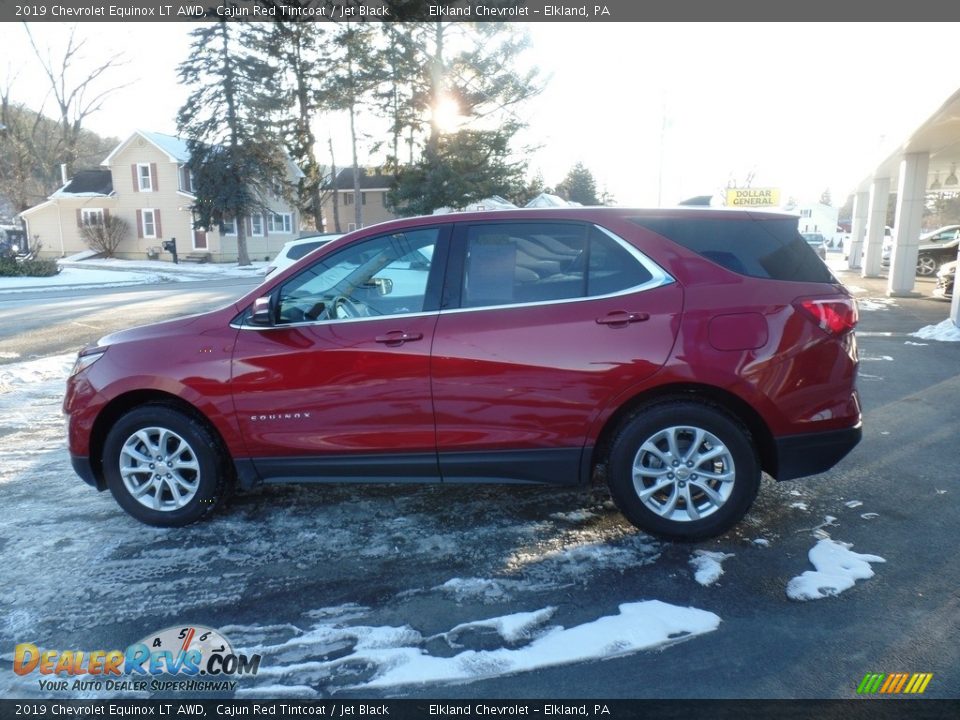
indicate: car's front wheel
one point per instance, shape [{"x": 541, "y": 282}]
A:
[
  {"x": 164, "y": 467},
  {"x": 926, "y": 265},
  {"x": 683, "y": 469}
]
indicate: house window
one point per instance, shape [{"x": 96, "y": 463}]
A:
[
  {"x": 186, "y": 180},
  {"x": 279, "y": 222},
  {"x": 144, "y": 177},
  {"x": 149, "y": 220},
  {"x": 806, "y": 213},
  {"x": 229, "y": 227},
  {"x": 363, "y": 198},
  {"x": 256, "y": 225},
  {"x": 348, "y": 198},
  {"x": 91, "y": 216}
]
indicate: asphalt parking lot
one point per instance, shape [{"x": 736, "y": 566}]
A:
[{"x": 504, "y": 592}]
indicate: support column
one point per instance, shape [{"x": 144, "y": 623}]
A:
[
  {"x": 858, "y": 230},
  {"x": 911, "y": 197},
  {"x": 876, "y": 222}
]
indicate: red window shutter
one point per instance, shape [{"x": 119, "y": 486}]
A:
[
  {"x": 156, "y": 223},
  {"x": 139, "y": 224},
  {"x": 79, "y": 218},
  {"x": 136, "y": 178},
  {"x": 153, "y": 179}
]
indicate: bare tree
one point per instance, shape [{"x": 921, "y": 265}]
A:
[{"x": 76, "y": 99}]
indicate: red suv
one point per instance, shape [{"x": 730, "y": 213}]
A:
[{"x": 682, "y": 352}]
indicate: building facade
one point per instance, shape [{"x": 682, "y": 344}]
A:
[{"x": 145, "y": 181}]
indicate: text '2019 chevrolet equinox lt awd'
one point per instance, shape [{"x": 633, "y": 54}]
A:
[{"x": 684, "y": 351}]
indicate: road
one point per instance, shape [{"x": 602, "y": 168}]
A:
[
  {"x": 341, "y": 588},
  {"x": 52, "y": 321}
]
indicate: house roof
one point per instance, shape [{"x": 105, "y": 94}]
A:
[
  {"x": 546, "y": 200},
  {"x": 173, "y": 147},
  {"x": 87, "y": 183},
  {"x": 368, "y": 181}
]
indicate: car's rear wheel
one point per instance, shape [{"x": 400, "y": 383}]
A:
[
  {"x": 164, "y": 467},
  {"x": 683, "y": 470},
  {"x": 926, "y": 265}
]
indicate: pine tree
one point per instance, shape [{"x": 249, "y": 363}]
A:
[
  {"x": 579, "y": 186},
  {"x": 236, "y": 157},
  {"x": 475, "y": 71}
]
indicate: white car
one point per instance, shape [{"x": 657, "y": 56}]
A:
[{"x": 296, "y": 249}]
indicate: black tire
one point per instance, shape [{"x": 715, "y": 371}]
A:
[
  {"x": 703, "y": 505},
  {"x": 193, "y": 477}
]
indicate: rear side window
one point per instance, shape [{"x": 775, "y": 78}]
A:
[
  {"x": 518, "y": 263},
  {"x": 298, "y": 251},
  {"x": 764, "y": 248}
]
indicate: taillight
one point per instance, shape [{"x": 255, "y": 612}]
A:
[{"x": 835, "y": 316}]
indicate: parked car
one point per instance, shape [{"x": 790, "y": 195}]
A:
[
  {"x": 935, "y": 248},
  {"x": 818, "y": 242},
  {"x": 945, "y": 279},
  {"x": 677, "y": 353},
  {"x": 296, "y": 249}
]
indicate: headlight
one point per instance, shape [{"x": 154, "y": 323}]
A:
[{"x": 86, "y": 358}]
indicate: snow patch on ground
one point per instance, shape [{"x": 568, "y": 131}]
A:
[
  {"x": 876, "y": 303},
  {"x": 910, "y": 342},
  {"x": 799, "y": 506},
  {"x": 761, "y": 542},
  {"x": 853, "y": 504},
  {"x": 707, "y": 565},
  {"x": 73, "y": 277},
  {"x": 512, "y": 628},
  {"x": 360, "y": 658},
  {"x": 837, "y": 569},
  {"x": 945, "y": 331}
]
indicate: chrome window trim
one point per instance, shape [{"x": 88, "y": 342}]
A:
[{"x": 659, "y": 278}]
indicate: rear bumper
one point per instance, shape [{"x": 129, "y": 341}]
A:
[
  {"x": 812, "y": 453},
  {"x": 83, "y": 468}
]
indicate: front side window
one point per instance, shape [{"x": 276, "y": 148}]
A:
[
  {"x": 256, "y": 225},
  {"x": 229, "y": 227},
  {"x": 520, "y": 263},
  {"x": 378, "y": 277}
]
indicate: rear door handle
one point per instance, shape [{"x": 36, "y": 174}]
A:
[
  {"x": 621, "y": 318},
  {"x": 398, "y": 337}
]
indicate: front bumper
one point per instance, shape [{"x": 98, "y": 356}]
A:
[
  {"x": 812, "y": 453},
  {"x": 83, "y": 468}
]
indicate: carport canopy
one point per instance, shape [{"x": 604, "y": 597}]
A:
[{"x": 926, "y": 161}]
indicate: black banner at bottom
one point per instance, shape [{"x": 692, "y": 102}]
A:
[{"x": 874, "y": 709}]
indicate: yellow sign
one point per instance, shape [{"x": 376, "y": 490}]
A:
[{"x": 753, "y": 197}]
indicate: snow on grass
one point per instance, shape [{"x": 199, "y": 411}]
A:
[
  {"x": 761, "y": 542},
  {"x": 401, "y": 656},
  {"x": 277, "y": 691},
  {"x": 73, "y": 277},
  {"x": 837, "y": 569},
  {"x": 799, "y": 506},
  {"x": 945, "y": 331},
  {"x": 910, "y": 342},
  {"x": 853, "y": 504},
  {"x": 174, "y": 271},
  {"x": 707, "y": 565}
]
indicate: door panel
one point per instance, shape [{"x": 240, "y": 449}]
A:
[
  {"x": 536, "y": 377},
  {"x": 343, "y": 372},
  {"x": 336, "y": 387},
  {"x": 555, "y": 320}
]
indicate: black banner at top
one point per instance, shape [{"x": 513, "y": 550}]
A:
[{"x": 855, "y": 11}]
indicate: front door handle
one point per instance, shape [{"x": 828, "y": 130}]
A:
[
  {"x": 398, "y": 337},
  {"x": 621, "y": 318}
]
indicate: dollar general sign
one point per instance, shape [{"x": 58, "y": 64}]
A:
[{"x": 753, "y": 197}]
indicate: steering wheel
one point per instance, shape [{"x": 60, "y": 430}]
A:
[{"x": 344, "y": 308}]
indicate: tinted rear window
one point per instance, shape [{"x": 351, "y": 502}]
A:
[
  {"x": 298, "y": 251},
  {"x": 760, "y": 248}
]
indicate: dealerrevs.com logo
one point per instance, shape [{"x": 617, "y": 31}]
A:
[{"x": 179, "y": 658}]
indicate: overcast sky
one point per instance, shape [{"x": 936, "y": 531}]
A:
[{"x": 654, "y": 110}]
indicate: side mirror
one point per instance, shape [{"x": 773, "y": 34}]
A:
[
  {"x": 262, "y": 312},
  {"x": 384, "y": 286}
]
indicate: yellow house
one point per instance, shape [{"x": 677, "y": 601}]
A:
[{"x": 145, "y": 181}]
